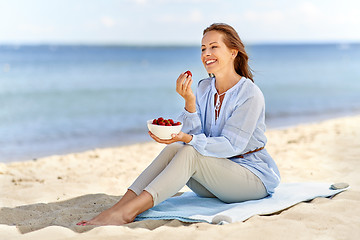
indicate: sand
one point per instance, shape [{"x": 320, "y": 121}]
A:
[{"x": 45, "y": 198}]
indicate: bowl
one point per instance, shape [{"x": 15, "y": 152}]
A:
[{"x": 163, "y": 132}]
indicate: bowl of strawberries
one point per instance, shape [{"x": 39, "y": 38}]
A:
[{"x": 163, "y": 128}]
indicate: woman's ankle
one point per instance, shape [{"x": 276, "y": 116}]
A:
[
  {"x": 141, "y": 203},
  {"x": 128, "y": 196}
]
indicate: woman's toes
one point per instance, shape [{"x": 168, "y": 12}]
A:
[{"x": 83, "y": 222}]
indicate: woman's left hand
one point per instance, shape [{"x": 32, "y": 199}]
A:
[{"x": 180, "y": 137}]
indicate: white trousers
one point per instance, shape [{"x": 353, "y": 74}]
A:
[{"x": 178, "y": 165}]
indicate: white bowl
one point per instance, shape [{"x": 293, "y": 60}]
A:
[{"x": 163, "y": 132}]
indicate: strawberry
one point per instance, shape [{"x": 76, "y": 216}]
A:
[
  {"x": 188, "y": 73},
  {"x": 165, "y": 122}
]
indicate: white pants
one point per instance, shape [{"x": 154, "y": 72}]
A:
[{"x": 180, "y": 164}]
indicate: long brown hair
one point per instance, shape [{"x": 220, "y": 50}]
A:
[{"x": 233, "y": 41}]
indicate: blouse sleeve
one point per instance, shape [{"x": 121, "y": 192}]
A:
[
  {"x": 191, "y": 122},
  {"x": 236, "y": 133}
]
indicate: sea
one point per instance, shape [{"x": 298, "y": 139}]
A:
[{"x": 58, "y": 99}]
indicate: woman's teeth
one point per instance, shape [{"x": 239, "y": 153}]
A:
[{"x": 210, "y": 62}]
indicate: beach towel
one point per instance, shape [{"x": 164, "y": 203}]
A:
[{"x": 191, "y": 208}]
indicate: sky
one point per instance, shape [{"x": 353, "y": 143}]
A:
[{"x": 174, "y": 22}]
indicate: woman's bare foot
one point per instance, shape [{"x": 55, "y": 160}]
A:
[
  {"x": 111, "y": 216},
  {"x": 121, "y": 214}
]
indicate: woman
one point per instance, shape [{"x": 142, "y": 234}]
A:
[{"x": 220, "y": 151}]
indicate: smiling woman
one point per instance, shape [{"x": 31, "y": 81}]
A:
[
  {"x": 217, "y": 154},
  {"x": 232, "y": 41}
]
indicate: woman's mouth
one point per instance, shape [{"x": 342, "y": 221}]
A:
[{"x": 210, "y": 61}]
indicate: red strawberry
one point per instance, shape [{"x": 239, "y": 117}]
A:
[
  {"x": 165, "y": 122},
  {"x": 188, "y": 73}
]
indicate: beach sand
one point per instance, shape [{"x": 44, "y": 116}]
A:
[{"x": 45, "y": 198}]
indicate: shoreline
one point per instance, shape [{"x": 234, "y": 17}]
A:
[
  {"x": 303, "y": 119},
  {"x": 45, "y": 198},
  {"x": 130, "y": 138}
]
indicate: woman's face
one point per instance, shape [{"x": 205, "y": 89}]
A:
[{"x": 215, "y": 55}]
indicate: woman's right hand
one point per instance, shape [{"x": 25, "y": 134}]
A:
[{"x": 183, "y": 87}]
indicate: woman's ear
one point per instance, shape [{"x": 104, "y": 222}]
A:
[{"x": 234, "y": 53}]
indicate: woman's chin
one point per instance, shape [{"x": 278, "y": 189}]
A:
[{"x": 210, "y": 71}]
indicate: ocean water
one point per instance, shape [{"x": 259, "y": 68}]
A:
[{"x": 60, "y": 99}]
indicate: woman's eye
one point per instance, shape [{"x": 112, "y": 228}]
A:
[
  {"x": 214, "y": 47},
  {"x": 203, "y": 49}
]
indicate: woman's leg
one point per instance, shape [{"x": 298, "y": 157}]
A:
[
  {"x": 223, "y": 178},
  {"x": 228, "y": 181},
  {"x": 199, "y": 189},
  {"x": 155, "y": 168},
  {"x": 125, "y": 211},
  {"x": 136, "y": 189}
]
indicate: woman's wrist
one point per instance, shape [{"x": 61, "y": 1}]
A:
[
  {"x": 187, "y": 138},
  {"x": 190, "y": 105}
]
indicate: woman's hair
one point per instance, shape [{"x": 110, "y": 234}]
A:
[{"x": 233, "y": 41}]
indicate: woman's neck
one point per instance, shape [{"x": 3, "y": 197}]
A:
[{"x": 226, "y": 81}]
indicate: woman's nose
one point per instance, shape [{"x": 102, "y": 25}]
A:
[{"x": 206, "y": 53}]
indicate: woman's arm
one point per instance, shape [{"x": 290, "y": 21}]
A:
[
  {"x": 183, "y": 88},
  {"x": 189, "y": 117},
  {"x": 180, "y": 137}
]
